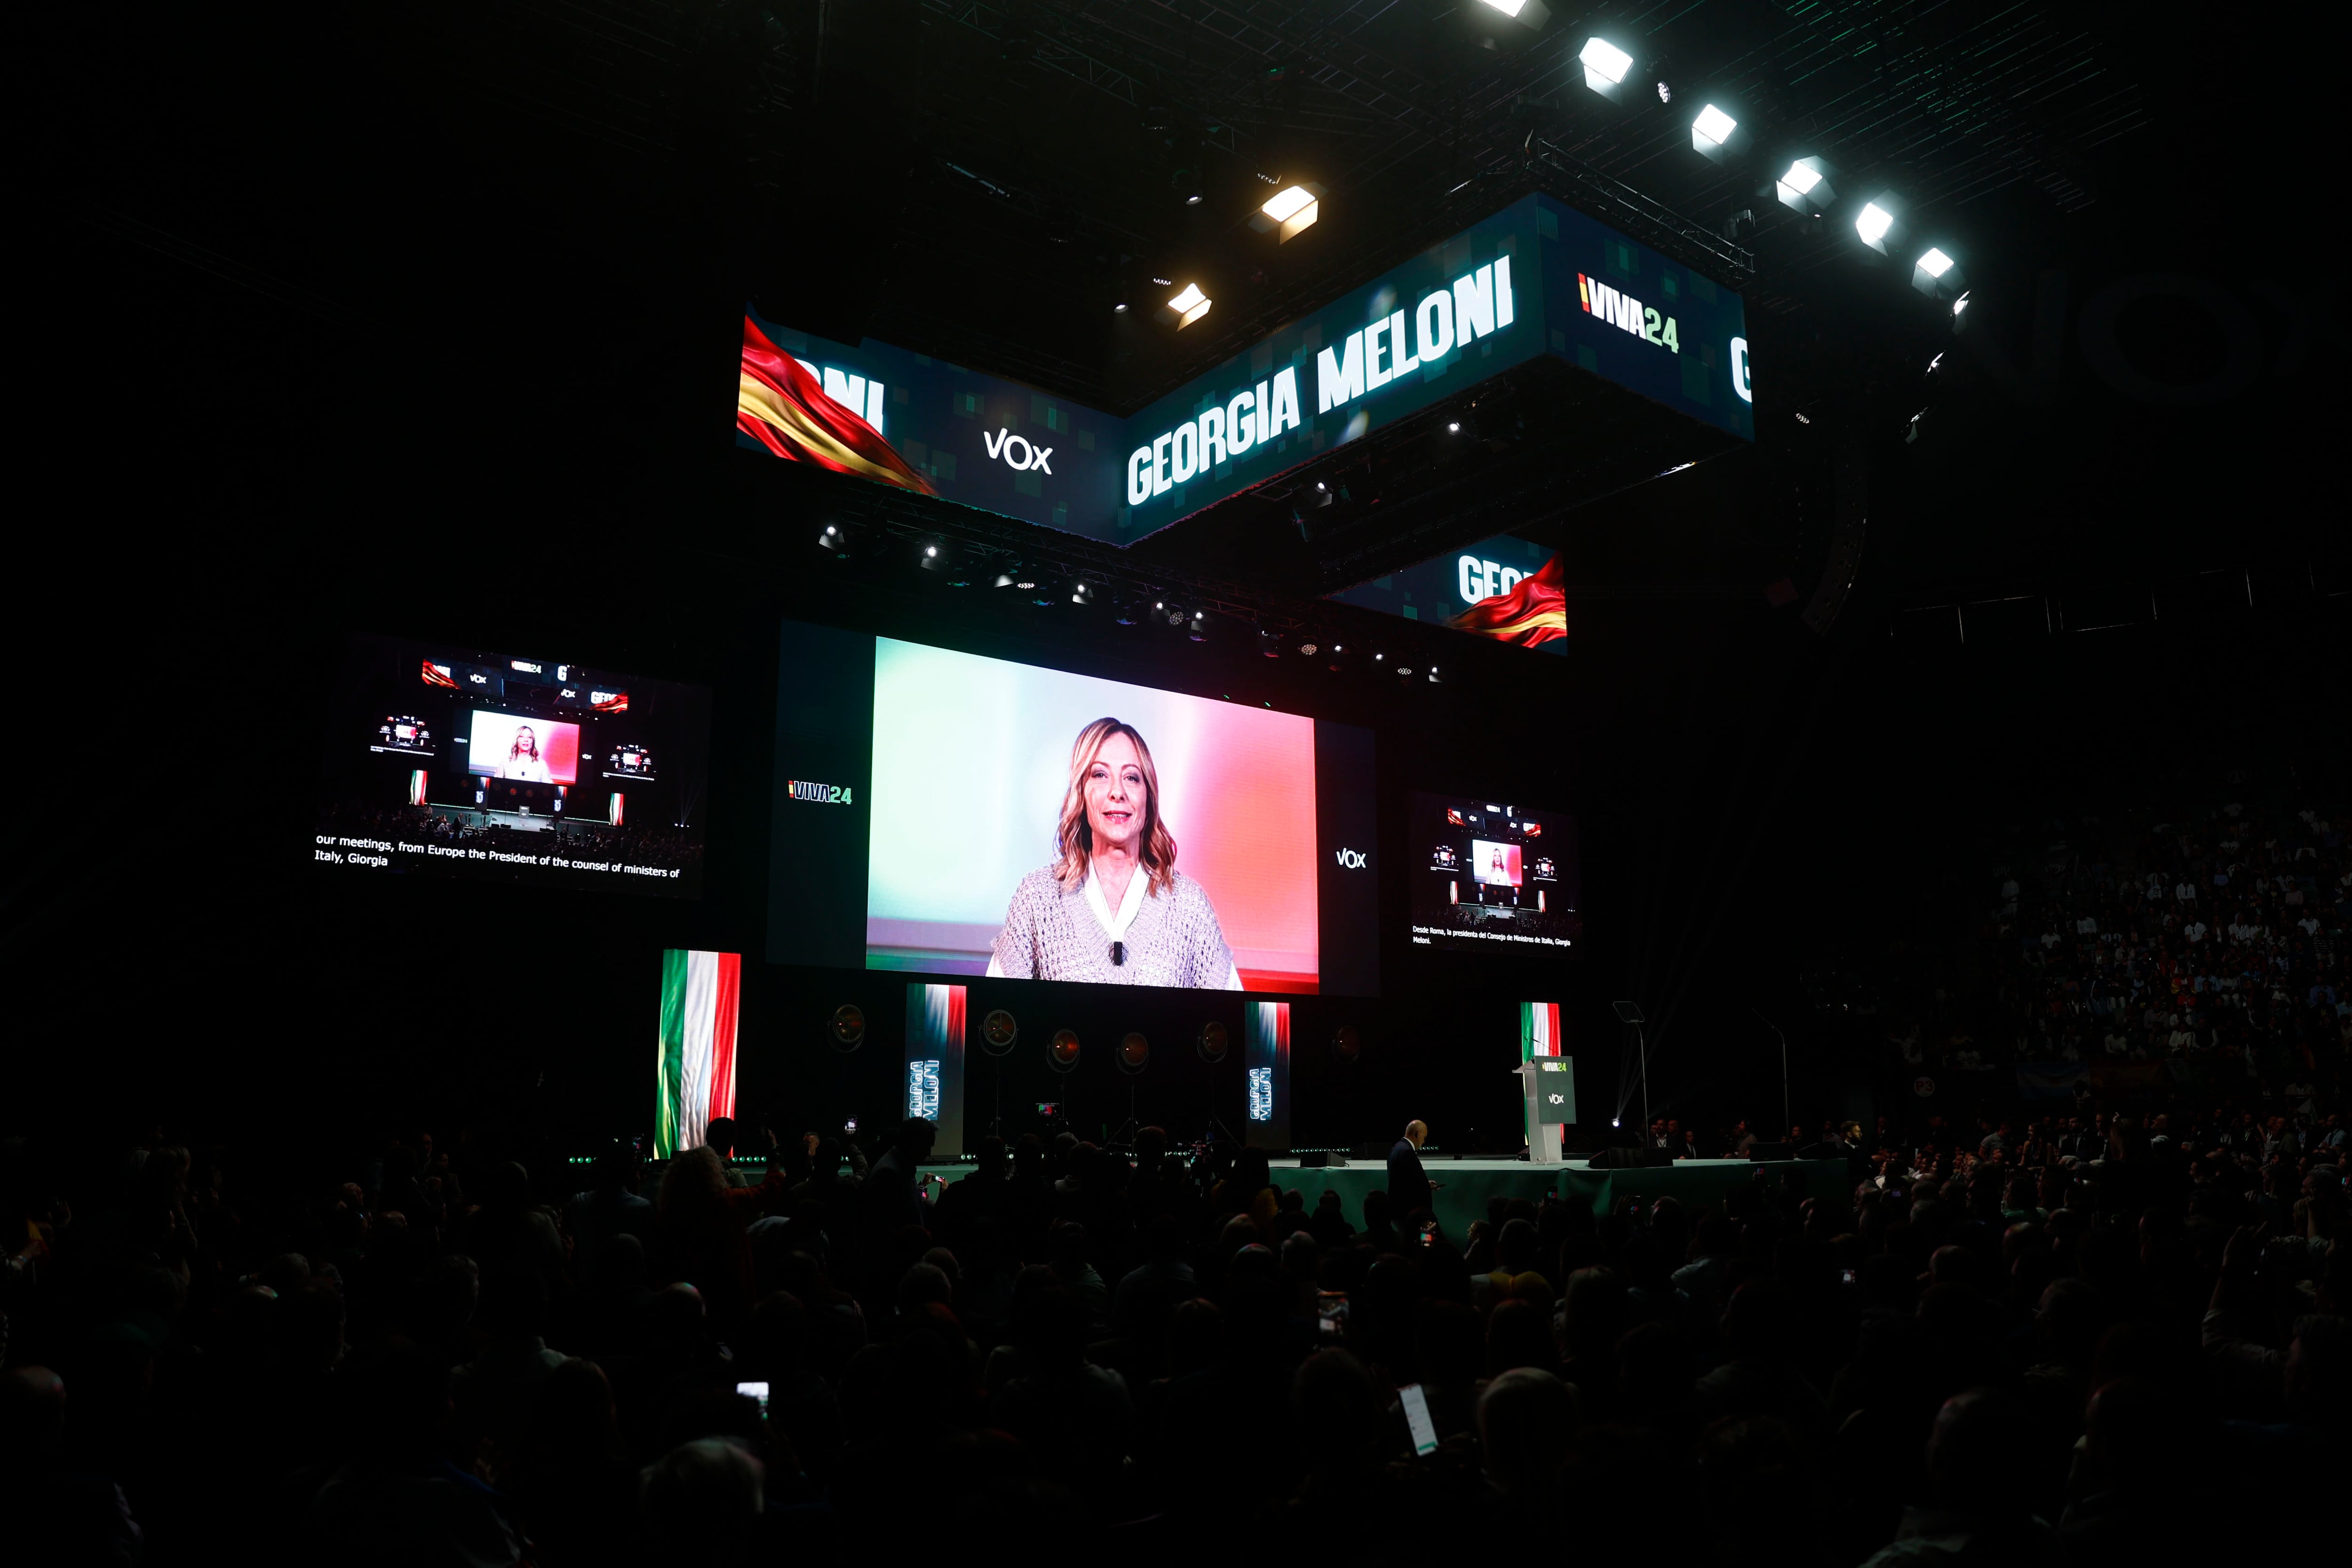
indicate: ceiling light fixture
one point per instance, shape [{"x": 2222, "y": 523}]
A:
[
  {"x": 1289, "y": 211},
  {"x": 1528, "y": 14},
  {"x": 1806, "y": 187},
  {"x": 1605, "y": 66},
  {"x": 1936, "y": 274},
  {"x": 1874, "y": 225},
  {"x": 1711, "y": 131},
  {"x": 1190, "y": 306}
]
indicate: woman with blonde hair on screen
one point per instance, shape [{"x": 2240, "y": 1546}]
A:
[
  {"x": 1112, "y": 907},
  {"x": 522, "y": 758}
]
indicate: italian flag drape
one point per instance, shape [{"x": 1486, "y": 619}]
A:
[
  {"x": 700, "y": 992},
  {"x": 1538, "y": 1029}
]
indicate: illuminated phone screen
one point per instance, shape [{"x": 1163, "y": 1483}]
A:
[{"x": 1416, "y": 1417}]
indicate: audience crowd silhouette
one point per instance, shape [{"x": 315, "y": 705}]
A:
[{"x": 1986, "y": 1348}]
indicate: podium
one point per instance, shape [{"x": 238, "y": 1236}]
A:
[{"x": 1550, "y": 1084}]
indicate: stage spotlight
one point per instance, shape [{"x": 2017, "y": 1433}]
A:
[
  {"x": 1212, "y": 1041},
  {"x": 1711, "y": 131},
  {"x": 1347, "y": 1044},
  {"x": 932, "y": 559},
  {"x": 833, "y": 542},
  {"x": 1806, "y": 187},
  {"x": 1605, "y": 66},
  {"x": 1119, "y": 308},
  {"x": 1082, "y": 591},
  {"x": 1062, "y": 1050},
  {"x": 1307, "y": 650},
  {"x": 1528, "y": 14},
  {"x": 1433, "y": 676},
  {"x": 1019, "y": 574},
  {"x": 1665, "y": 93},
  {"x": 1935, "y": 364},
  {"x": 1124, "y": 612},
  {"x": 1292, "y": 211},
  {"x": 1453, "y": 426},
  {"x": 1874, "y": 225},
  {"x": 1189, "y": 305},
  {"x": 848, "y": 1026},
  {"x": 1199, "y": 630},
  {"x": 1936, "y": 274},
  {"x": 998, "y": 1030},
  {"x": 1269, "y": 643},
  {"x": 1615, "y": 1122},
  {"x": 1134, "y": 1052},
  {"x": 1961, "y": 303}
]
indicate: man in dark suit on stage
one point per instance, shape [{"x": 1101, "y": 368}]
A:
[{"x": 1408, "y": 1183}]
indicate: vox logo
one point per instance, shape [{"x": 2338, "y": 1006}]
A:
[{"x": 1002, "y": 444}]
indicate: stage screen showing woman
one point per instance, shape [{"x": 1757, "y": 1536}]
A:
[
  {"x": 514, "y": 746},
  {"x": 1020, "y": 822}
]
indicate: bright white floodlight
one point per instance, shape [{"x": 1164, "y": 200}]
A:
[
  {"x": 1190, "y": 306},
  {"x": 1802, "y": 177},
  {"x": 1509, "y": 7},
  {"x": 1936, "y": 274},
  {"x": 1605, "y": 64},
  {"x": 1714, "y": 125},
  {"x": 1293, "y": 210},
  {"x": 1874, "y": 225}
]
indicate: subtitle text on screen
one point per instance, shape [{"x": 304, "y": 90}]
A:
[
  {"x": 376, "y": 854},
  {"x": 1420, "y": 935}
]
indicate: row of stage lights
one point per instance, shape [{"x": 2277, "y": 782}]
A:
[
  {"x": 1805, "y": 189},
  {"x": 1048, "y": 587}
]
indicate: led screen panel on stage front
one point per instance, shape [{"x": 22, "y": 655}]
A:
[
  {"x": 1493, "y": 876},
  {"x": 447, "y": 762},
  {"x": 1023, "y": 822}
]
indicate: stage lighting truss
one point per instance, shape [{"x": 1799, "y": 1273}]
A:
[
  {"x": 1806, "y": 188},
  {"x": 1605, "y": 66},
  {"x": 1936, "y": 274},
  {"x": 1712, "y": 131},
  {"x": 1189, "y": 305},
  {"x": 1289, "y": 211}
]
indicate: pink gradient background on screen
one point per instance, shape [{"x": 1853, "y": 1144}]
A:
[{"x": 1238, "y": 789}]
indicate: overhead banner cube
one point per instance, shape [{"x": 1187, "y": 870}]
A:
[{"x": 1537, "y": 280}]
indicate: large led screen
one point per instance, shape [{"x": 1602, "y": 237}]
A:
[
  {"x": 1032, "y": 824},
  {"x": 1492, "y": 876},
  {"x": 450, "y": 762}
]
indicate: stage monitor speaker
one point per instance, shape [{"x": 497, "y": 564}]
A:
[{"x": 1769, "y": 1151}]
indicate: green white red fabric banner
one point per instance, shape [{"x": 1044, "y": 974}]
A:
[{"x": 700, "y": 998}]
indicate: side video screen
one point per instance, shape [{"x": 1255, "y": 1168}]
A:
[
  {"x": 942, "y": 812},
  {"x": 1492, "y": 875},
  {"x": 443, "y": 761}
]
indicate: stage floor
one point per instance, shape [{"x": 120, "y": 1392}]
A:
[{"x": 1464, "y": 1185}]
